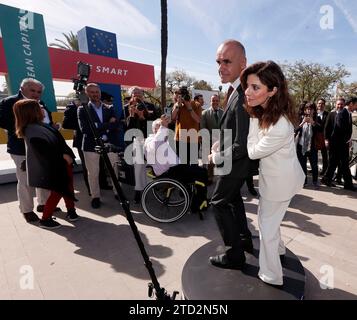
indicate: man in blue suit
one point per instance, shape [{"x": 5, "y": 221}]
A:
[{"x": 107, "y": 125}]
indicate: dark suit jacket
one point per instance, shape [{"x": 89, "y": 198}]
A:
[
  {"x": 236, "y": 120},
  {"x": 70, "y": 121},
  {"x": 111, "y": 130},
  {"x": 15, "y": 145},
  {"x": 7, "y": 121},
  {"x": 208, "y": 119},
  {"x": 344, "y": 125},
  {"x": 338, "y": 127},
  {"x": 321, "y": 122}
]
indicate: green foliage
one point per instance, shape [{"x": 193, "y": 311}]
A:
[
  {"x": 178, "y": 78},
  {"x": 347, "y": 90},
  {"x": 71, "y": 42},
  {"x": 202, "y": 85},
  {"x": 310, "y": 81}
]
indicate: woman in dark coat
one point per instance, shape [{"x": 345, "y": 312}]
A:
[{"x": 48, "y": 160}]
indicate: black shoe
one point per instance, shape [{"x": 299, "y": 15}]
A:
[
  {"x": 253, "y": 192},
  {"x": 72, "y": 215},
  {"x": 326, "y": 182},
  {"x": 137, "y": 197},
  {"x": 41, "y": 207},
  {"x": 49, "y": 224},
  {"x": 351, "y": 188},
  {"x": 221, "y": 261},
  {"x": 96, "y": 203},
  {"x": 31, "y": 217}
]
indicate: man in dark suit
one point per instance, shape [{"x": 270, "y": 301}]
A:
[
  {"x": 106, "y": 123},
  {"x": 29, "y": 89},
  {"x": 70, "y": 121},
  {"x": 231, "y": 151},
  {"x": 210, "y": 121},
  {"x": 321, "y": 121},
  {"x": 338, "y": 131}
]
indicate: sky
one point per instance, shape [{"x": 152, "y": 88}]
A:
[{"x": 323, "y": 31}]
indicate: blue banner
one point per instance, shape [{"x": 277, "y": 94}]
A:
[{"x": 102, "y": 43}]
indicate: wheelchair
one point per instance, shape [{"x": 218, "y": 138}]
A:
[{"x": 166, "y": 200}]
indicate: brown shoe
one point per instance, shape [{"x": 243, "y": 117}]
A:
[{"x": 31, "y": 217}]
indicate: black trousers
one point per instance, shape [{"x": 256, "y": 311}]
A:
[
  {"x": 84, "y": 168},
  {"x": 229, "y": 211},
  {"x": 339, "y": 155},
  {"x": 189, "y": 174}
]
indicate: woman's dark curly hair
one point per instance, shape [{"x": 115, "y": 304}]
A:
[{"x": 270, "y": 74}]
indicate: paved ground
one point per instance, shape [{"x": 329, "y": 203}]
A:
[{"x": 97, "y": 257}]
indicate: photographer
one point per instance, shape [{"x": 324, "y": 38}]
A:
[
  {"x": 137, "y": 99},
  {"x": 306, "y": 146},
  {"x": 137, "y": 119},
  {"x": 187, "y": 115}
]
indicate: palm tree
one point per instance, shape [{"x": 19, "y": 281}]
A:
[
  {"x": 71, "y": 42},
  {"x": 164, "y": 45}
]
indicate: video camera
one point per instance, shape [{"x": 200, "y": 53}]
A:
[
  {"x": 140, "y": 106},
  {"x": 185, "y": 94},
  {"x": 83, "y": 72}
]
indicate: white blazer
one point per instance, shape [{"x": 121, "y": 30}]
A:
[{"x": 280, "y": 173}]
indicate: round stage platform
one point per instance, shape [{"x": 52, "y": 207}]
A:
[{"x": 203, "y": 281}]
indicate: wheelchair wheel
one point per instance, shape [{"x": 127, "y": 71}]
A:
[{"x": 165, "y": 200}]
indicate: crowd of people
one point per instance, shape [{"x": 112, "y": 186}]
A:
[{"x": 267, "y": 137}]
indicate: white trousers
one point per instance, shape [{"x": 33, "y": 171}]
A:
[
  {"x": 139, "y": 164},
  {"x": 92, "y": 164},
  {"x": 25, "y": 193},
  {"x": 270, "y": 216}
]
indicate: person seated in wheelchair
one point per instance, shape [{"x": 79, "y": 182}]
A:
[{"x": 165, "y": 163}]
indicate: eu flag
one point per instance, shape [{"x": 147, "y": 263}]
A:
[
  {"x": 103, "y": 43},
  {"x": 94, "y": 41}
]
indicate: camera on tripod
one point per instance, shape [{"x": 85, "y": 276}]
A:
[{"x": 83, "y": 72}]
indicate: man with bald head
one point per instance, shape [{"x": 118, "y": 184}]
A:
[{"x": 227, "y": 202}]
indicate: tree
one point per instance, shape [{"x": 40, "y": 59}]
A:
[
  {"x": 71, "y": 42},
  {"x": 347, "y": 90},
  {"x": 179, "y": 78},
  {"x": 164, "y": 45},
  {"x": 310, "y": 81},
  {"x": 202, "y": 85}
]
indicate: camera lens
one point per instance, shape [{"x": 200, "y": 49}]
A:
[{"x": 140, "y": 107}]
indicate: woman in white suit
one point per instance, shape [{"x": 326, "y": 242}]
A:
[{"x": 271, "y": 139}]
